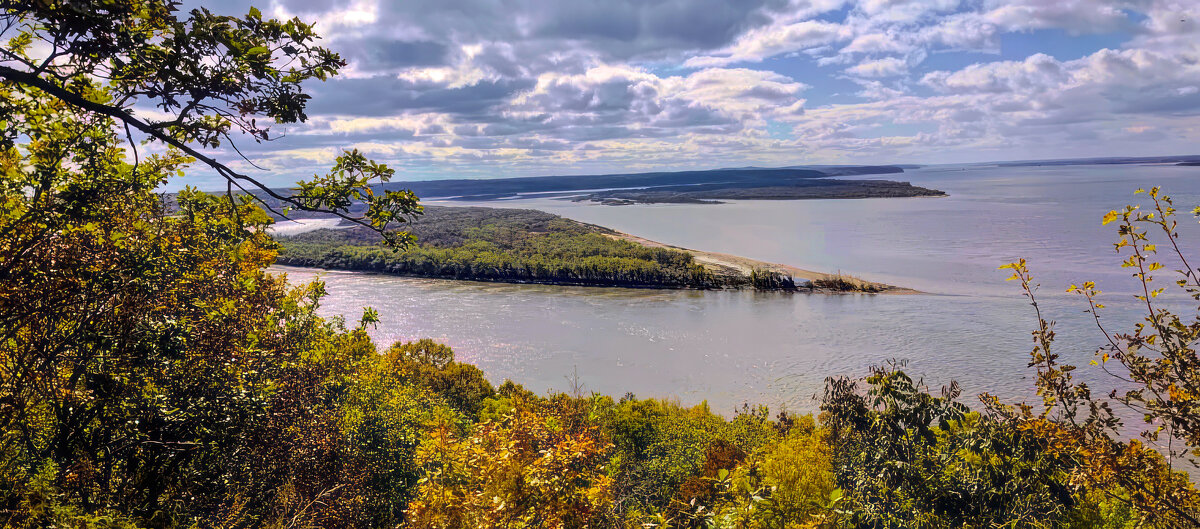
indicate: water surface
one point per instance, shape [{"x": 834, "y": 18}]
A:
[{"x": 777, "y": 348}]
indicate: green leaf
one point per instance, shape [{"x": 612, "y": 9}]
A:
[{"x": 835, "y": 495}]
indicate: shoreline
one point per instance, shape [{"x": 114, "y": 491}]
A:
[
  {"x": 518, "y": 256},
  {"x": 744, "y": 265},
  {"x": 814, "y": 189},
  {"x": 720, "y": 264}
]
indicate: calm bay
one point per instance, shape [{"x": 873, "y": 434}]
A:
[{"x": 734, "y": 347}]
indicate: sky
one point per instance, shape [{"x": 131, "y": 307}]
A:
[{"x": 497, "y": 88}]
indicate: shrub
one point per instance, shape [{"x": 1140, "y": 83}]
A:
[
  {"x": 840, "y": 282},
  {"x": 431, "y": 364},
  {"x": 526, "y": 470}
]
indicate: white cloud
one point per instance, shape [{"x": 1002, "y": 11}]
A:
[
  {"x": 1076, "y": 16},
  {"x": 904, "y": 11},
  {"x": 877, "y": 43},
  {"x": 886, "y": 67},
  {"x": 1036, "y": 73},
  {"x": 522, "y": 86},
  {"x": 767, "y": 42}
]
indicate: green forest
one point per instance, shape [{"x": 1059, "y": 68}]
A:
[
  {"x": 511, "y": 245},
  {"x": 155, "y": 374}
]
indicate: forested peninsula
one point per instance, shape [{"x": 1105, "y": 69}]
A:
[
  {"x": 697, "y": 187},
  {"x": 529, "y": 246},
  {"x": 825, "y": 188}
]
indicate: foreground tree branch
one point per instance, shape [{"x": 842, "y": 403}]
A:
[{"x": 215, "y": 76}]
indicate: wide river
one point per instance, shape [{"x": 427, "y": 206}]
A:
[{"x": 777, "y": 348}]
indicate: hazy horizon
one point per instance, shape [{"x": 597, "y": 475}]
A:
[{"x": 175, "y": 185}]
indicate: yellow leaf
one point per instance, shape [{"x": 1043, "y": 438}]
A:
[{"x": 1110, "y": 216}]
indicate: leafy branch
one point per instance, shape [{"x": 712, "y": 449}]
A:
[{"x": 213, "y": 76}]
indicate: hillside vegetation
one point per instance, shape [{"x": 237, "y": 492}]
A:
[{"x": 155, "y": 374}]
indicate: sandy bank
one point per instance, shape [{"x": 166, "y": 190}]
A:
[{"x": 726, "y": 264}]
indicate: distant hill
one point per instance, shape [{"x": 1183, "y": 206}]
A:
[
  {"x": 745, "y": 177},
  {"x": 707, "y": 186},
  {"x": 823, "y": 188},
  {"x": 1186, "y": 159}
]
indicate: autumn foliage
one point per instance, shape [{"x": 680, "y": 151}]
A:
[
  {"x": 154, "y": 373},
  {"x": 529, "y": 469}
]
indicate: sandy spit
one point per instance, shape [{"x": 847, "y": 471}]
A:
[{"x": 723, "y": 262}]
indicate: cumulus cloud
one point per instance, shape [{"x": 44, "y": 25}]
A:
[
  {"x": 878, "y": 43},
  {"x": 1035, "y": 74},
  {"x": 885, "y": 67},
  {"x": 509, "y": 87},
  {"x": 773, "y": 40}
]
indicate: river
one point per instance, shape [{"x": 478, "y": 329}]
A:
[{"x": 777, "y": 349}]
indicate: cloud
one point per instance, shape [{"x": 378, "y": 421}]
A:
[
  {"x": 378, "y": 53},
  {"x": 904, "y": 11},
  {"x": 886, "y": 67},
  {"x": 385, "y": 95},
  {"x": 1037, "y": 73},
  {"x": 1076, "y": 16},
  {"x": 508, "y": 87},
  {"x": 877, "y": 43},
  {"x": 644, "y": 104},
  {"x": 771, "y": 41}
]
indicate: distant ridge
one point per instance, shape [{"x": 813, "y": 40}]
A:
[
  {"x": 1185, "y": 159},
  {"x": 745, "y": 177},
  {"x": 701, "y": 186}
]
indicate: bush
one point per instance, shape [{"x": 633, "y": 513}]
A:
[
  {"x": 431, "y": 365},
  {"x": 840, "y": 282},
  {"x": 527, "y": 470}
]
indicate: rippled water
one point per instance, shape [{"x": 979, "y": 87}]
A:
[{"x": 775, "y": 348}]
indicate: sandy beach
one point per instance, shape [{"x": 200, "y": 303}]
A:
[{"x": 727, "y": 264}]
